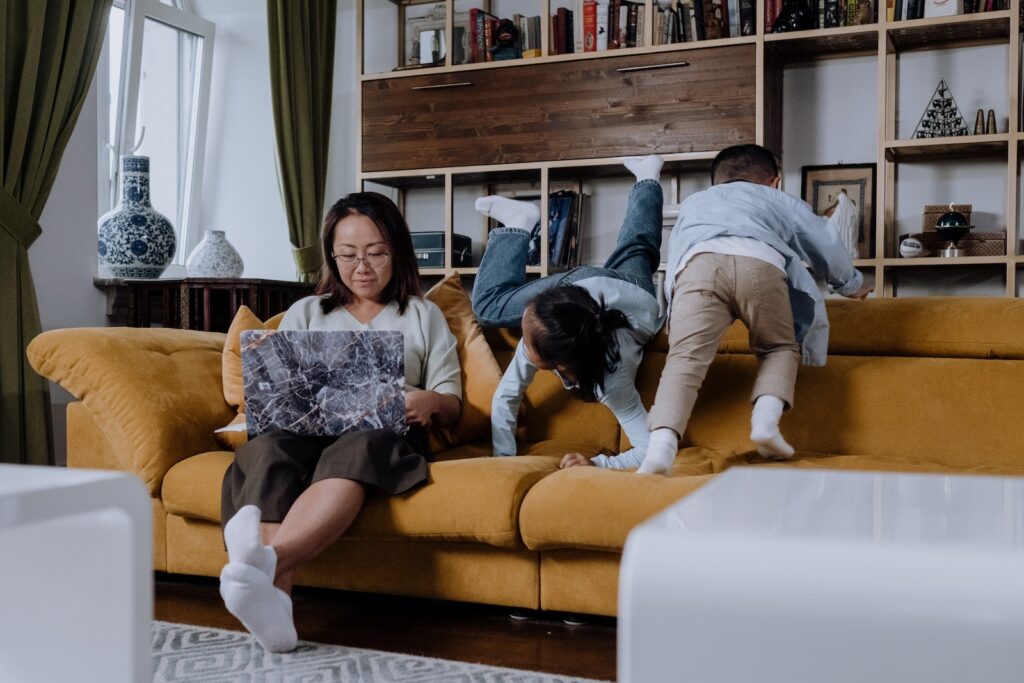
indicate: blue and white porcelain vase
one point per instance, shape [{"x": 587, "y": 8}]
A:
[
  {"x": 135, "y": 240},
  {"x": 214, "y": 257}
]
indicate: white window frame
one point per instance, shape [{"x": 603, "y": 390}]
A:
[{"x": 127, "y": 138}]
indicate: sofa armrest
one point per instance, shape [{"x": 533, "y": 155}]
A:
[{"x": 156, "y": 394}]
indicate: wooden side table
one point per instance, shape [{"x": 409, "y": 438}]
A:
[{"x": 207, "y": 304}]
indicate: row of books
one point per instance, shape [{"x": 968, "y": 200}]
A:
[
  {"x": 828, "y": 13},
  {"x": 836, "y": 13},
  {"x": 566, "y": 217},
  {"x": 683, "y": 21},
  {"x": 899, "y": 10},
  {"x": 597, "y": 25}
]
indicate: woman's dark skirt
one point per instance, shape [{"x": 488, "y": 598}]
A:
[{"x": 272, "y": 470}]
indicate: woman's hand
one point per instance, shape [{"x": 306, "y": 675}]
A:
[
  {"x": 423, "y": 406},
  {"x": 574, "y": 460}
]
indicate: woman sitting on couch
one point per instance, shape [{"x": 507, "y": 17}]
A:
[{"x": 288, "y": 496}]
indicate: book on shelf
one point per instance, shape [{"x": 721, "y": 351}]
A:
[
  {"x": 748, "y": 17},
  {"x": 566, "y": 214},
  {"x": 590, "y": 26},
  {"x": 712, "y": 19}
]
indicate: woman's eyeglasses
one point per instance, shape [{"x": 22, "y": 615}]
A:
[{"x": 374, "y": 259}]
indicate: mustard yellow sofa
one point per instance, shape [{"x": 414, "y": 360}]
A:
[{"x": 911, "y": 384}]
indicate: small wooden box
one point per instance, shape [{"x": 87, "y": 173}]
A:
[{"x": 932, "y": 213}]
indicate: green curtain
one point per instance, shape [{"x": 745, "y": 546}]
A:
[
  {"x": 48, "y": 55},
  {"x": 301, "y": 83}
]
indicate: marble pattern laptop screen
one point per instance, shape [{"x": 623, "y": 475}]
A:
[{"x": 323, "y": 383}]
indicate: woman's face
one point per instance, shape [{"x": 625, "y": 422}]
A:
[
  {"x": 531, "y": 326},
  {"x": 363, "y": 257}
]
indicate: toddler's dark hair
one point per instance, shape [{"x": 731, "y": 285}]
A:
[
  {"x": 578, "y": 333},
  {"x": 744, "y": 162}
]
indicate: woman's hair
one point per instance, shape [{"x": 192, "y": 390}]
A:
[
  {"x": 405, "y": 277},
  {"x": 578, "y": 333}
]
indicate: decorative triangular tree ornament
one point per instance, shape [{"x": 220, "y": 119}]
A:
[{"x": 942, "y": 118}]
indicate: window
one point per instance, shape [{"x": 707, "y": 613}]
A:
[{"x": 159, "y": 58}]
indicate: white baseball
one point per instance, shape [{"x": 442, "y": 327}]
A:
[{"x": 911, "y": 247}]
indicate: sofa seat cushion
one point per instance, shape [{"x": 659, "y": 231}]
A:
[
  {"x": 466, "y": 499},
  {"x": 593, "y": 508}
]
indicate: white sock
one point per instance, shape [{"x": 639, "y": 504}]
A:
[
  {"x": 661, "y": 452},
  {"x": 242, "y": 538},
  {"x": 511, "y": 213},
  {"x": 764, "y": 428},
  {"x": 263, "y": 608},
  {"x": 644, "y": 168}
]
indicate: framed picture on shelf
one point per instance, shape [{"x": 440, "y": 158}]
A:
[{"x": 821, "y": 185}]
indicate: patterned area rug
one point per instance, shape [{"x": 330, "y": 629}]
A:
[{"x": 204, "y": 655}]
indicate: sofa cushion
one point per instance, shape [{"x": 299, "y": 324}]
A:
[
  {"x": 939, "y": 327},
  {"x": 480, "y": 371},
  {"x": 594, "y": 508},
  {"x": 466, "y": 499},
  {"x": 155, "y": 393},
  {"x": 949, "y": 412}
]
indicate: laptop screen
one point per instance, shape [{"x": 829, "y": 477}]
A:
[{"x": 323, "y": 383}]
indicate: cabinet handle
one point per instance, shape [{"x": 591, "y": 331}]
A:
[
  {"x": 441, "y": 85},
  {"x": 649, "y": 67}
]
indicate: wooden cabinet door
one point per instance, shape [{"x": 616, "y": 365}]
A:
[{"x": 667, "y": 102}]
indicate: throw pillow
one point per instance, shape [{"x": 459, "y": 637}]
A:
[
  {"x": 231, "y": 369},
  {"x": 231, "y": 361},
  {"x": 480, "y": 370}
]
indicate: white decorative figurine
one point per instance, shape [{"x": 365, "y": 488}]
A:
[{"x": 845, "y": 220}]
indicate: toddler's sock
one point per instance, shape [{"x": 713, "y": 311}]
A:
[
  {"x": 262, "y": 608},
  {"x": 764, "y": 428},
  {"x": 242, "y": 538},
  {"x": 511, "y": 213},
  {"x": 644, "y": 168},
  {"x": 661, "y": 452}
]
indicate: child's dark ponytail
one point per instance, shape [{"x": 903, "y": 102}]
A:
[{"x": 579, "y": 334}]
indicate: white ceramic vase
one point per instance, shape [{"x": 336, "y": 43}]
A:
[{"x": 214, "y": 257}]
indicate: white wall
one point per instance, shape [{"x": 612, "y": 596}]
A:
[{"x": 240, "y": 193}]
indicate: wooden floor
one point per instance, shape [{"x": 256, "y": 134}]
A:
[{"x": 449, "y": 630}]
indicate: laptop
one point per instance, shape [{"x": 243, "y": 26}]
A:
[{"x": 323, "y": 383}]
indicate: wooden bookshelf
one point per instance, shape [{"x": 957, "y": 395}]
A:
[{"x": 524, "y": 151}]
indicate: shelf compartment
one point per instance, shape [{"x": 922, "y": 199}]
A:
[
  {"x": 931, "y": 149},
  {"x": 407, "y": 181},
  {"x": 675, "y": 164},
  {"x": 940, "y": 262},
  {"x": 823, "y": 43},
  {"x": 495, "y": 175},
  {"x": 919, "y": 34}
]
